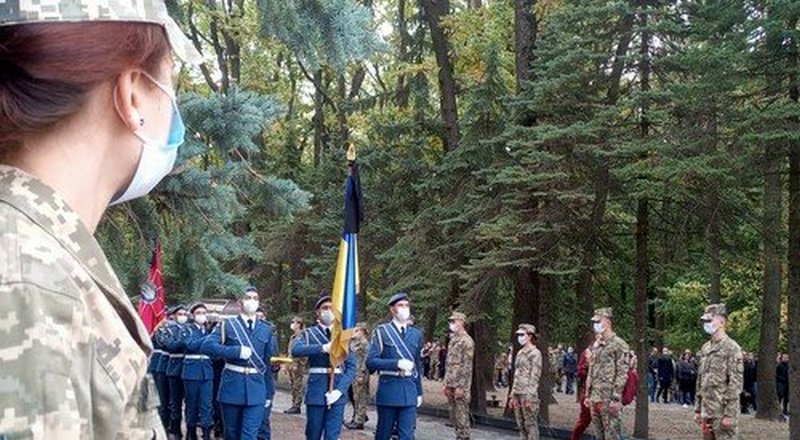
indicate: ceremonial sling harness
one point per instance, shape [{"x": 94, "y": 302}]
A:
[
  {"x": 255, "y": 360},
  {"x": 394, "y": 336}
]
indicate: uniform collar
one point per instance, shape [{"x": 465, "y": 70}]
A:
[
  {"x": 44, "y": 207},
  {"x": 398, "y": 325}
]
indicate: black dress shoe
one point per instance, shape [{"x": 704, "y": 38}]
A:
[
  {"x": 292, "y": 410},
  {"x": 354, "y": 425}
]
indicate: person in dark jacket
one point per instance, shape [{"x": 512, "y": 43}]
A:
[
  {"x": 570, "y": 367},
  {"x": 666, "y": 374},
  {"x": 782, "y": 382},
  {"x": 748, "y": 397},
  {"x": 687, "y": 377}
]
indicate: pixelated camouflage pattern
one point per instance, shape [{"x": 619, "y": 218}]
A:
[
  {"x": 359, "y": 346},
  {"x": 527, "y": 372},
  {"x": 719, "y": 379},
  {"x": 608, "y": 370},
  {"x": 73, "y": 351},
  {"x": 458, "y": 365},
  {"x": 148, "y": 11}
]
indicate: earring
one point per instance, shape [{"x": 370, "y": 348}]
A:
[{"x": 141, "y": 122}]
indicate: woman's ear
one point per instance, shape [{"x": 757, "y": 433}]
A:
[{"x": 127, "y": 86}]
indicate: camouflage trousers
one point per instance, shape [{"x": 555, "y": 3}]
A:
[
  {"x": 712, "y": 430},
  {"x": 607, "y": 426},
  {"x": 360, "y": 398},
  {"x": 297, "y": 377},
  {"x": 527, "y": 419},
  {"x": 459, "y": 416}
]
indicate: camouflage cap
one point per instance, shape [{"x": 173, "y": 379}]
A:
[
  {"x": 714, "y": 310},
  {"x": 14, "y": 12},
  {"x": 361, "y": 325},
  {"x": 527, "y": 328},
  {"x": 604, "y": 312},
  {"x": 297, "y": 319},
  {"x": 457, "y": 316}
]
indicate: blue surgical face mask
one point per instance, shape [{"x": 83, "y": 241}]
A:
[{"x": 157, "y": 158}]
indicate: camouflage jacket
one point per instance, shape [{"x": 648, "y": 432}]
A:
[
  {"x": 299, "y": 364},
  {"x": 527, "y": 371},
  {"x": 608, "y": 370},
  {"x": 360, "y": 347},
  {"x": 719, "y": 379},
  {"x": 74, "y": 353},
  {"x": 458, "y": 366}
]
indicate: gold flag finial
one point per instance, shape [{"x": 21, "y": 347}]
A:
[{"x": 351, "y": 152}]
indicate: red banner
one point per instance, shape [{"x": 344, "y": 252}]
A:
[{"x": 152, "y": 300}]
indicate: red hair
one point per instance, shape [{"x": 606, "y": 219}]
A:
[{"x": 48, "y": 69}]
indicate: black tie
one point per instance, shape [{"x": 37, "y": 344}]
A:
[
  {"x": 328, "y": 333},
  {"x": 250, "y": 324},
  {"x": 403, "y": 332}
]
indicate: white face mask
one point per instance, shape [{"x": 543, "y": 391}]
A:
[
  {"x": 250, "y": 306},
  {"x": 598, "y": 327},
  {"x": 293, "y": 326},
  {"x": 709, "y": 327},
  {"x": 453, "y": 327},
  {"x": 402, "y": 314},
  {"x": 157, "y": 158},
  {"x": 522, "y": 339},
  {"x": 201, "y": 318},
  {"x": 326, "y": 317},
  {"x": 181, "y": 319}
]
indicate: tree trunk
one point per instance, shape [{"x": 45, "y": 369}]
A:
[
  {"x": 641, "y": 420},
  {"x": 713, "y": 243},
  {"x": 525, "y": 31},
  {"x": 546, "y": 291},
  {"x": 768, "y": 407},
  {"x": 318, "y": 119},
  {"x": 483, "y": 363},
  {"x": 435, "y": 10},
  {"x": 525, "y": 309},
  {"x": 794, "y": 250}
]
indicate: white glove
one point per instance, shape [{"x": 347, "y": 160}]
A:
[
  {"x": 245, "y": 352},
  {"x": 419, "y": 401},
  {"x": 268, "y": 403},
  {"x": 405, "y": 365},
  {"x": 332, "y": 396},
  {"x": 326, "y": 347}
]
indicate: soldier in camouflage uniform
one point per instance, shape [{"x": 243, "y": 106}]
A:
[
  {"x": 74, "y": 352},
  {"x": 435, "y": 353},
  {"x": 719, "y": 379},
  {"x": 608, "y": 372},
  {"x": 525, "y": 387},
  {"x": 298, "y": 370},
  {"x": 359, "y": 345},
  {"x": 458, "y": 374}
]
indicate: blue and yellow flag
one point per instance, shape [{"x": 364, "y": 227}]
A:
[{"x": 345, "y": 282}]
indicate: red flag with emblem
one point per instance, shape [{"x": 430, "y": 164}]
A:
[{"x": 152, "y": 301}]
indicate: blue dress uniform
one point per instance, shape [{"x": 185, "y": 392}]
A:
[
  {"x": 396, "y": 398},
  {"x": 265, "y": 432},
  {"x": 320, "y": 418},
  {"x": 198, "y": 381},
  {"x": 158, "y": 367},
  {"x": 174, "y": 346},
  {"x": 245, "y": 385}
]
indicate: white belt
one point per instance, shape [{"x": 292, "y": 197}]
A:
[
  {"x": 241, "y": 370},
  {"x": 157, "y": 351},
  {"x": 324, "y": 371},
  {"x": 196, "y": 356},
  {"x": 176, "y": 355},
  {"x": 395, "y": 373}
]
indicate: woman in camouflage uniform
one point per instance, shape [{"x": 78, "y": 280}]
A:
[{"x": 87, "y": 118}]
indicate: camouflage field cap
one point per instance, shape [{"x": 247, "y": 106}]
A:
[
  {"x": 361, "y": 325},
  {"x": 714, "y": 310},
  {"x": 526, "y": 328},
  {"x": 297, "y": 319},
  {"x": 14, "y": 12},
  {"x": 605, "y": 312},
  {"x": 457, "y": 316}
]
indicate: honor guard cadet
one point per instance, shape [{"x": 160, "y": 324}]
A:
[
  {"x": 395, "y": 353},
  {"x": 246, "y": 385},
  {"x": 719, "y": 379},
  {"x": 359, "y": 346},
  {"x": 173, "y": 342},
  {"x": 159, "y": 361},
  {"x": 198, "y": 375},
  {"x": 298, "y": 369},
  {"x": 525, "y": 389},
  {"x": 458, "y": 374},
  {"x": 324, "y": 406},
  {"x": 265, "y": 431},
  {"x": 608, "y": 372}
]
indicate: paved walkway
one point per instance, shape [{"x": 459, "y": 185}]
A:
[{"x": 428, "y": 428}]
